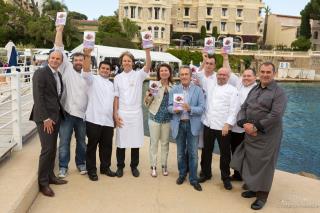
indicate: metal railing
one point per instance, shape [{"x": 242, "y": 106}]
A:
[{"x": 15, "y": 104}]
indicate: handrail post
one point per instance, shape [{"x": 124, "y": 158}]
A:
[{"x": 16, "y": 108}]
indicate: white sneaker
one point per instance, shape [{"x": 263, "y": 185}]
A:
[
  {"x": 82, "y": 170},
  {"x": 153, "y": 172},
  {"x": 165, "y": 171},
  {"x": 63, "y": 173}
]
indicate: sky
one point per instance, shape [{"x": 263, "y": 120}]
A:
[{"x": 94, "y": 8}]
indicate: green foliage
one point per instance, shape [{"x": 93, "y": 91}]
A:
[
  {"x": 77, "y": 16},
  {"x": 114, "y": 40},
  {"x": 203, "y": 32},
  {"x": 311, "y": 11},
  {"x": 301, "y": 44},
  {"x": 109, "y": 24},
  {"x": 215, "y": 32},
  {"x": 130, "y": 28}
]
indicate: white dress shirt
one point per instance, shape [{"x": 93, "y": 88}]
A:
[
  {"x": 74, "y": 97},
  {"x": 100, "y": 100},
  {"x": 243, "y": 93},
  {"x": 222, "y": 102}
]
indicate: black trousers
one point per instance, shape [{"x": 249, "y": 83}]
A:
[
  {"x": 101, "y": 135},
  {"x": 47, "y": 154},
  {"x": 236, "y": 140},
  {"x": 121, "y": 155},
  {"x": 209, "y": 136}
]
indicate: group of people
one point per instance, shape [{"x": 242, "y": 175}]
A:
[{"x": 244, "y": 117}]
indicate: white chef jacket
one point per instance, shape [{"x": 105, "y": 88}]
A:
[{"x": 100, "y": 100}]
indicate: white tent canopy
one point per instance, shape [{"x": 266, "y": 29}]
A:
[{"x": 100, "y": 52}]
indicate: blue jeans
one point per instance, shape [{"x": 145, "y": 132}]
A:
[
  {"x": 67, "y": 126},
  {"x": 187, "y": 142}
]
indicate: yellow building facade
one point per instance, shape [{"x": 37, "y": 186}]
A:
[{"x": 184, "y": 18}]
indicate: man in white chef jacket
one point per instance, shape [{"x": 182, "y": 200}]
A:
[
  {"x": 219, "y": 117},
  {"x": 128, "y": 111}
]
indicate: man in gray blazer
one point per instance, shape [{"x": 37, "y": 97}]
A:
[
  {"x": 47, "y": 113},
  {"x": 186, "y": 124}
]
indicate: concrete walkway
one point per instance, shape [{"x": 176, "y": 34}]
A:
[{"x": 290, "y": 193}]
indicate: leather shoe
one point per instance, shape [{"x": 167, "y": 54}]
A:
[
  {"x": 180, "y": 180},
  {"x": 227, "y": 184},
  {"x": 203, "y": 179},
  {"x": 93, "y": 176},
  {"x": 119, "y": 172},
  {"x": 58, "y": 181},
  {"x": 135, "y": 172},
  {"x": 257, "y": 204},
  {"x": 108, "y": 172},
  {"x": 46, "y": 191},
  {"x": 197, "y": 186},
  {"x": 249, "y": 194}
]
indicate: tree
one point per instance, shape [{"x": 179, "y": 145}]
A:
[
  {"x": 305, "y": 27},
  {"x": 267, "y": 11},
  {"x": 77, "y": 16},
  {"x": 301, "y": 44},
  {"x": 203, "y": 32},
  {"x": 51, "y": 7},
  {"x": 109, "y": 24},
  {"x": 215, "y": 32},
  {"x": 130, "y": 28}
]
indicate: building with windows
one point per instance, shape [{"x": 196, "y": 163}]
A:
[{"x": 183, "y": 19}]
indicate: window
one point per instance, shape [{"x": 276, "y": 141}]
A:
[
  {"x": 156, "y": 32},
  {"x": 298, "y": 32},
  {"x": 185, "y": 24},
  {"x": 186, "y": 11},
  {"x": 133, "y": 12},
  {"x": 156, "y": 13},
  {"x": 238, "y": 27},
  {"x": 239, "y": 12},
  {"x": 223, "y": 26},
  {"x": 162, "y": 32},
  {"x": 163, "y": 14},
  {"x": 315, "y": 35},
  {"x": 150, "y": 28},
  {"x": 209, "y": 11},
  {"x": 126, "y": 12},
  {"x": 224, "y": 11},
  {"x": 208, "y": 25}
]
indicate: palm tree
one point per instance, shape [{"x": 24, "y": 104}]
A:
[
  {"x": 130, "y": 28},
  {"x": 51, "y": 7},
  {"x": 267, "y": 11}
]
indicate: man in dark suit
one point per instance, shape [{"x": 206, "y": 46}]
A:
[{"x": 47, "y": 113}]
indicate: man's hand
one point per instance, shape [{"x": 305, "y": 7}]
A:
[
  {"x": 48, "y": 126},
  {"x": 60, "y": 28},
  {"x": 186, "y": 107},
  {"x": 225, "y": 129},
  {"x": 204, "y": 56},
  {"x": 224, "y": 54},
  {"x": 118, "y": 120},
  {"x": 248, "y": 128}
]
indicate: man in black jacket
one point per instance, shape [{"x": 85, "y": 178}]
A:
[{"x": 47, "y": 113}]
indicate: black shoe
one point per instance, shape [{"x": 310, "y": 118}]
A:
[
  {"x": 197, "y": 186},
  {"x": 258, "y": 204},
  {"x": 93, "y": 176},
  {"x": 227, "y": 184},
  {"x": 245, "y": 187},
  {"x": 119, "y": 172},
  {"x": 135, "y": 172},
  {"x": 235, "y": 177},
  {"x": 180, "y": 180},
  {"x": 203, "y": 179},
  {"x": 108, "y": 172},
  {"x": 249, "y": 194}
]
